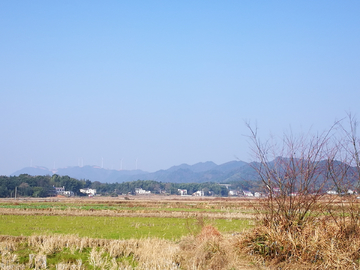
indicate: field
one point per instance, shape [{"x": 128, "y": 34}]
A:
[
  {"x": 131, "y": 232},
  {"x": 109, "y": 227},
  {"x": 174, "y": 232}
]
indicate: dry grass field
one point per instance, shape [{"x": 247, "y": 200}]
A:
[{"x": 145, "y": 206}]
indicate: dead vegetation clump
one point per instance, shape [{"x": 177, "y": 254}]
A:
[
  {"x": 210, "y": 250},
  {"x": 321, "y": 245}
]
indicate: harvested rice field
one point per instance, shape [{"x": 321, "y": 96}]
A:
[{"x": 130, "y": 232}]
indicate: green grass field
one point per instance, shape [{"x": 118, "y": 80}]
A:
[{"x": 110, "y": 227}]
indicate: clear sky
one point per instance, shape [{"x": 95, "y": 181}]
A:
[{"x": 168, "y": 82}]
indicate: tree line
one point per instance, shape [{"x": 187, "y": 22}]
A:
[
  {"x": 43, "y": 186},
  {"x": 39, "y": 186}
]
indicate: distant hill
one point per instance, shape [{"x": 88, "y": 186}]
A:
[
  {"x": 233, "y": 171},
  {"x": 184, "y": 173},
  {"x": 198, "y": 167},
  {"x": 33, "y": 171}
]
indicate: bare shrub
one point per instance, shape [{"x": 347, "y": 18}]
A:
[
  {"x": 344, "y": 171},
  {"x": 301, "y": 226},
  {"x": 294, "y": 175}
]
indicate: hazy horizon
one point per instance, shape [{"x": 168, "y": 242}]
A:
[
  {"x": 110, "y": 168},
  {"x": 150, "y": 85}
]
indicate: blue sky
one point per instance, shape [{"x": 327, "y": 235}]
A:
[{"x": 168, "y": 82}]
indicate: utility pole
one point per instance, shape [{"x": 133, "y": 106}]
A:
[{"x": 15, "y": 192}]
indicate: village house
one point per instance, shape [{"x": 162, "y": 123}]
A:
[
  {"x": 233, "y": 193},
  {"x": 182, "y": 192},
  {"x": 89, "y": 191},
  {"x": 248, "y": 194},
  {"x": 60, "y": 191},
  {"x": 141, "y": 191},
  {"x": 68, "y": 193},
  {"x": 257, "y": 194},
  {"x": 199, "y": 193}
]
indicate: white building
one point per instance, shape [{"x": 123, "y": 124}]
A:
[
  {"x": 60, "y": 190},
  {"x": 182, "y": 192},
  {"x": 89, "y": 191},
  {"x": 257, "y": 194},
  {"x": 63, "y": 192},
  {"x": 233, "y": 193},
  {"x": 141, "y": 191},
  {"x": 198, "y": 193},
  {"x": 248, "y": 194},
  {"x": 68, "y": 193}
]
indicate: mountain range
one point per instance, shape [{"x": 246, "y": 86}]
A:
[{"x": 184, "y": 173}]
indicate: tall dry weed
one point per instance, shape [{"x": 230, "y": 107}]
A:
[
  {"x": 70, "y": 266},
  {"x": 156, "y": 253},
  {"x": 98, "y": 259}
]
